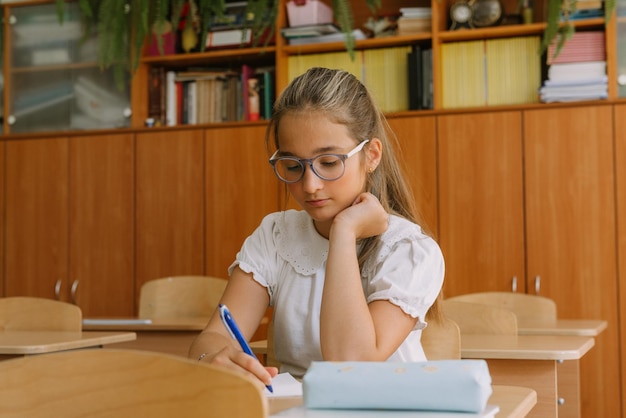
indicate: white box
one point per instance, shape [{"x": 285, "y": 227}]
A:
[{"x": 308, "y": 12}]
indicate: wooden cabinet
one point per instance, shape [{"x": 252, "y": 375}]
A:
[
  {"x": 418, "y": 152},
  {"x": 101, "y": 224},
  {"x": 571, "y": 232},
  {"x": 620, "y": 187},
  {"x": 36, "y": 236},
  {"x": 540, "y": 208},
  {"x": 169, "y": 197},
  {"x": 240, "y": 190},
  {"x": 68, "y": 221},
  {"x": 481, "y": 195}
]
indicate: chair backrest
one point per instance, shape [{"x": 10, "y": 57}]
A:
[
  {"x": 476, "y": 318},
  {"x": 180, "y": 297},
  {"x": 25, "y": 313},
  {"x": 441, "y": 340},
  {"x": 125, "y": 383},
  {"x": 527, "y": 307}
]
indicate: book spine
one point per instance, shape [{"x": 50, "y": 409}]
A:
[{"x": 171, "y": 108}]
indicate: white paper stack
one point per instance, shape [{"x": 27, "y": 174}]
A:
[{"x": 578, "y": 72}]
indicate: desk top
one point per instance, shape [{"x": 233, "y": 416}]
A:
[
  {"x": 512, "y": 347},
  {"x": 158, "y": 324},
  {"x": 525, "y": 347},
  {"x": 38, "y": 342},
  {"x": 574, "y": 327},
  {"x": 514, "y": 401}
]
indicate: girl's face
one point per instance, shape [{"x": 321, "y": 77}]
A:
[{"x": 307, "y": 135}]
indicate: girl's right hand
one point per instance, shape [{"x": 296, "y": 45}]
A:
[{"x": 235, "y": 359}]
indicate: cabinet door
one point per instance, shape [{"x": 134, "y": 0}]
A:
[
  {"x": 241, "y": 189},
  {"x": 101, "y": 257},
  {"x": 36, "y": 235},
  {"x": 620, "y": 169},
  {"x": 571, "y": 232},
  {"x": 417, "y": 152},
  {"x": 54, "y": 80},
  {"x": 169, "y": 204},
  {"x": 481, "y": 220}
]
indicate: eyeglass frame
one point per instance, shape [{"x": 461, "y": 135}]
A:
[{"x": 309, "y": 161}]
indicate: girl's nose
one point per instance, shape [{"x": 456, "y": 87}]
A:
[{"x": 310, "y": 181}]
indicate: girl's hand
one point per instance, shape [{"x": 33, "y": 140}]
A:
[
  {"x": 365, "y": 217},
  {"x": 235, "y": 359}
]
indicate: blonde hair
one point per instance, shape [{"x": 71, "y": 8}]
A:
[{"x": 343, "y": 99}]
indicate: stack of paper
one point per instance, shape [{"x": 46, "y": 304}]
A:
[
  {"x": 578, "y": 72},
  {"x": 414, "y": 20}
]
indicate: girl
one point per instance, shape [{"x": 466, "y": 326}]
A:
[{"x": 351, "y": 276}]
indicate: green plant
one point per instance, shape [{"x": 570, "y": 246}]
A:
[
  {"x": 559, "y": 26},
  {"x": 124, "y": 26}
]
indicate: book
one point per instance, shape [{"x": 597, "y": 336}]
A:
[
  {"x": 246, "y": 73},
  {"x": 171, "y": 117},
  {"x": 581, "y": 47},
  {"x": 156, "y": 95},
  {"x": 357, "y": 34},
  {"x": 265, "y": 76},
  {"x": 309, "y": 30},
  {"x": 415, "y": 78},
  {"x": 463, "y": 74},
  {"x": 577, "y": 70},
  {"x": 229, "y": 37},
  {"x": 427, "y": 78},
  {"x": 513, "y": 70}
]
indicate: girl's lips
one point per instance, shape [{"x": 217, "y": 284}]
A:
[{"x": 316, "y": 203}]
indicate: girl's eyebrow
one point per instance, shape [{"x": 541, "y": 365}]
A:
[{"x": 318, "y": 151}]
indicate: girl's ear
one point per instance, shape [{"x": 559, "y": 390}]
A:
[{"x": 374, "y": 153}]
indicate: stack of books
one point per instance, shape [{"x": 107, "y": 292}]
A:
[
  {"x": 578, "y": 72},
  {"x": 414, "y": 20},
  {"x": 318, "y": 33}
]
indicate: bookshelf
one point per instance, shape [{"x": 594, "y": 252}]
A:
[
  {"x": 439, "y": 38},
  {"x": 57, "y": 69}
]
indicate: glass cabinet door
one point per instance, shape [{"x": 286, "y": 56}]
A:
[
  {"x": 54, "y": 81},
  {"x": 621, "y": 47}
]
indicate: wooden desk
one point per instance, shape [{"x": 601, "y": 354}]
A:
[
  {"x": 568, "y": 372},
  {"x": 565, "y": 327},
  {"x": 514, "y": 402},
  {"x": 22, "y": 343},
  {"x": 529, "y": 361},
  {"x": 172, "y": 335}
]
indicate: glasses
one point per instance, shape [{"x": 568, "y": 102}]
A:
[{"x": 325, "y": 166}]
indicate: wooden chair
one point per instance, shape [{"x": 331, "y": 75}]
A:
[
  {"x": 528, "y": 308},
  {"x": 476, "y": 318},
  {"x": 125, "y": 383},
  {"x": 25, "y": 313},
  {"x": 441, "y": 340},
  {"x": 180, "y": 297}
]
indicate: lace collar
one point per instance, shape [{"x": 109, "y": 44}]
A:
[{"x": 299, "y": 243}]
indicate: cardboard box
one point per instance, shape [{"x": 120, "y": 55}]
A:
[{"x": 308, "y": 12}]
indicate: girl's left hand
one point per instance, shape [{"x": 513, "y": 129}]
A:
[{"x": 365, "y": 216}]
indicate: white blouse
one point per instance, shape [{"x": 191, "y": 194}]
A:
[{"x": 288, "y": 256}]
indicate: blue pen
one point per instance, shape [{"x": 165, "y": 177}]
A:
[{"x": 233, "y": 330}]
